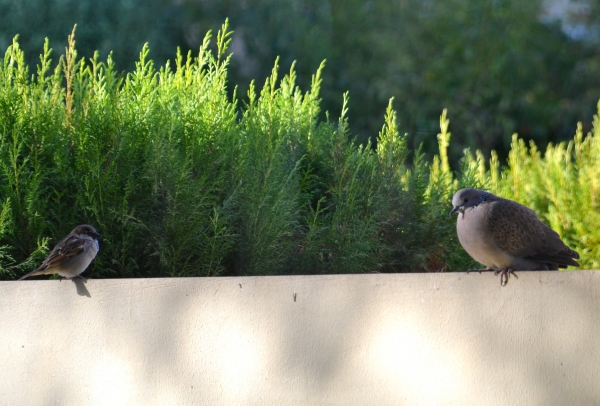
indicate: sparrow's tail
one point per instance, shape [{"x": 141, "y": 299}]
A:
[{"x": 39, "y": 271}]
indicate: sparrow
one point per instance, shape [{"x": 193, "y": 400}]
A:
[{"x": 72, "y": 255}]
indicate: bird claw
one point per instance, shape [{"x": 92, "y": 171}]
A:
[{"x": 505, "y": 274}]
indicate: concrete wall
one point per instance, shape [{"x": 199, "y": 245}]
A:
[{"x": 420, "y": 339}]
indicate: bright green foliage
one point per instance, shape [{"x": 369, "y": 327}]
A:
[
  {"x": 179, "y": 183},
  {"x": 562, "y": 185},
  {"x": 499, "y": 66},
  {"x": 142, "y": 158},
  {"x": 182, "y": 181}
]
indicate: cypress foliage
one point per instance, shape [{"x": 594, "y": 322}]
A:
[{"x": 181, "y": 180}]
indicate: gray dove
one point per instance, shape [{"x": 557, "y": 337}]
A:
[
  {"x": 72, "y": 255},
  {"x": 506, "y": 236}
]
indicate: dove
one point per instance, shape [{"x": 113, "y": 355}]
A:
[
  {"x": 506, "y": 236},
  {"x": 71, "y": 256}
]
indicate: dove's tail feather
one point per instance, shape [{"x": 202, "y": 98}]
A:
[{"x": 560, "y": 260}]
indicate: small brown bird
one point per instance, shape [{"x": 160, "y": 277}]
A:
[
  {"x": 72, "y": 255},
  {"x": 506, "y": 236}
]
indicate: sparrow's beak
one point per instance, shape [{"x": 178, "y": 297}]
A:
[{"x": 454, "y": 210}]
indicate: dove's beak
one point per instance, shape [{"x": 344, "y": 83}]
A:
[
  {"x": 97, "y": 235},
  {"x": 454, "y": 210}
]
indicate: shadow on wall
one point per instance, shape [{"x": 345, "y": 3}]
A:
[{"x": 342, "y": 339}]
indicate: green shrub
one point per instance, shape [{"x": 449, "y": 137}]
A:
[
  {"x": 183, "y": 181},
  {"x": 562, "y": 186}
]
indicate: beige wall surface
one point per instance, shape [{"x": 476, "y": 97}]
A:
[{"x": 401, "y": 339}]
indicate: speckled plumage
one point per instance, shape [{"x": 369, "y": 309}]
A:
[
  {"x": 72, "y": 255},
  {"x": 506, "y": 236}
]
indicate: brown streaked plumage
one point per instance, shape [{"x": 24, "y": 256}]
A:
[{"x": 72, "y": 255}]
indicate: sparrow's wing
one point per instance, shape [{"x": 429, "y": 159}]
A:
[
  {"x": 64, "y": 250},
  {"x": 70, "y": 246}
]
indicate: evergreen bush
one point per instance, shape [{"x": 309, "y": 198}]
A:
[{"x": 183, "y": 181}]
